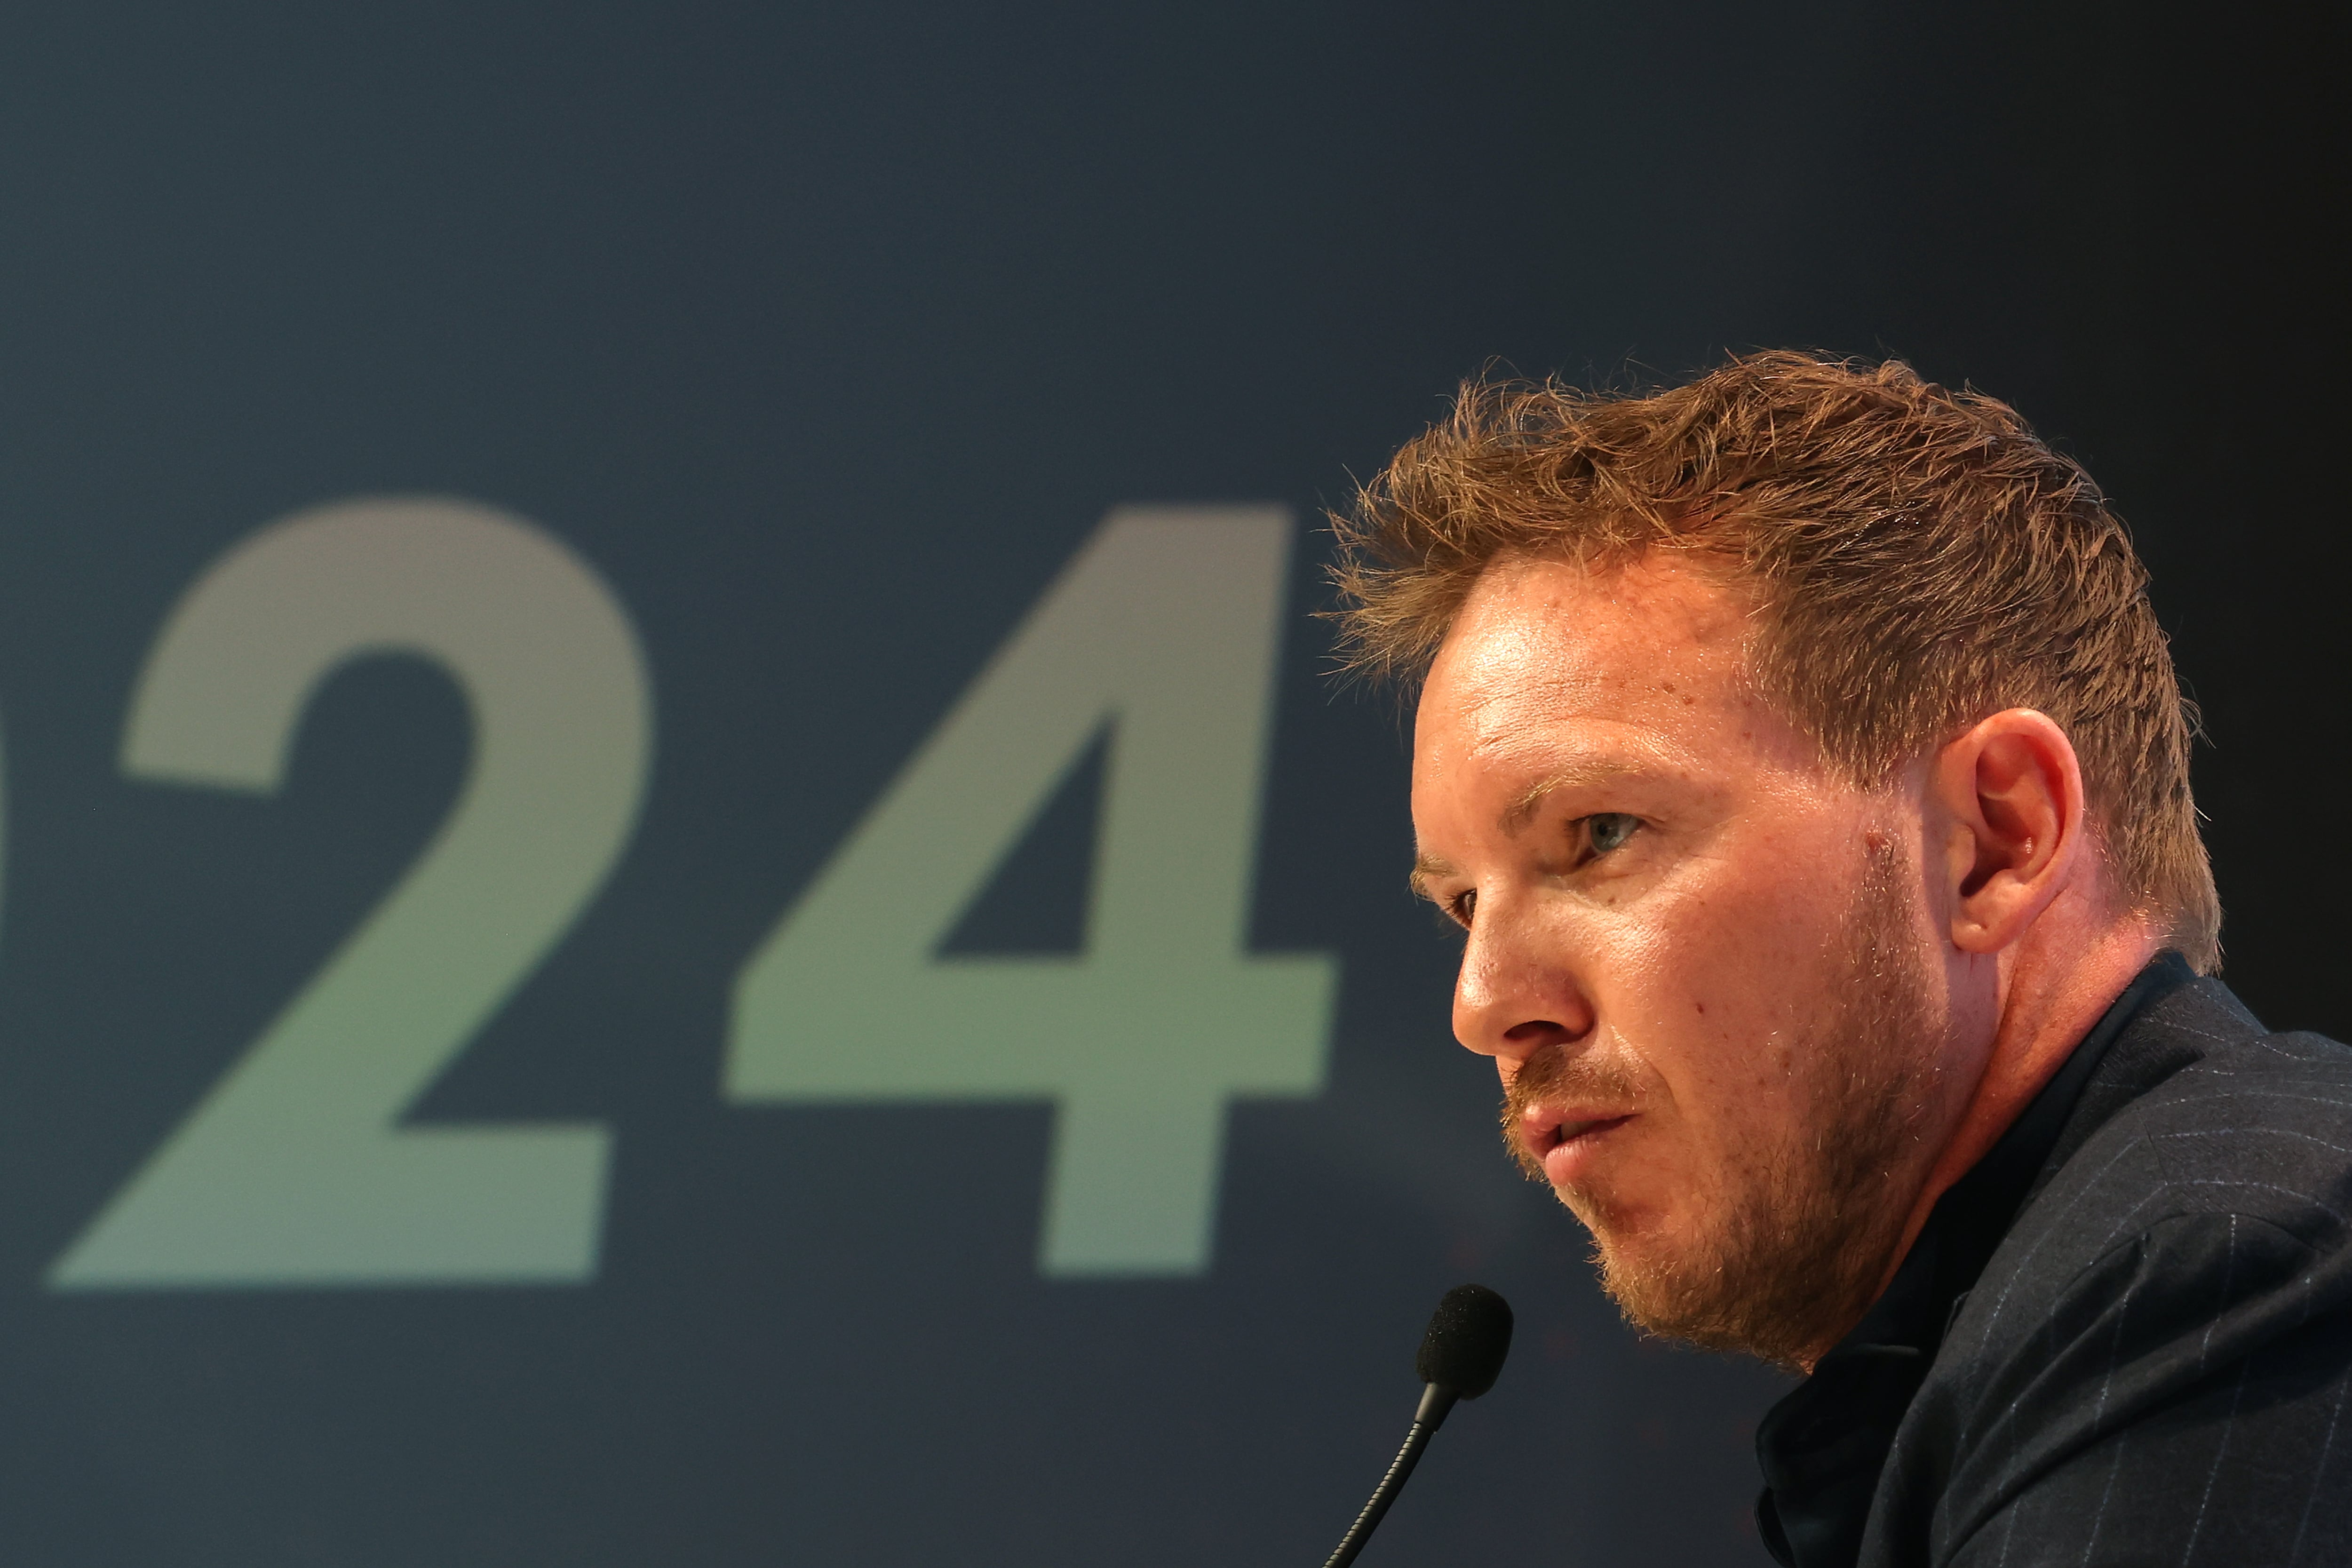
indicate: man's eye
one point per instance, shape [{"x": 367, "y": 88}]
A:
[
  {"x": 1463, "y": 907},
  {"x": 1609, "y": 830}
]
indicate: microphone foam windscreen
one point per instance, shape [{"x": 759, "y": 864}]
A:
[{"x": 1469, "y": 1335}]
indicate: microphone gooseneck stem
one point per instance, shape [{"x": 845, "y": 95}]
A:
[
  {"x": 1384, "y": 1494},
  {"x": 1435, "y": 1402}
]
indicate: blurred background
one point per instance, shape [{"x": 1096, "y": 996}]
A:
[{"x": 683, "y": 882}]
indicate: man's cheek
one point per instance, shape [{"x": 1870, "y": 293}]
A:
[{"x": 1714, "y": 969}]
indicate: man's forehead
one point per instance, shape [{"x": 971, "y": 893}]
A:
[
  {"x": 1540, "y": 642},
  {"x": 1699, "y": 598}
]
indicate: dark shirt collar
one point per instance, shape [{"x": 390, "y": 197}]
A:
[{"x": 1822, "y": 1445}]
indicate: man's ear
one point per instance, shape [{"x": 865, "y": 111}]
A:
[{"x": 2011, "y": 793}]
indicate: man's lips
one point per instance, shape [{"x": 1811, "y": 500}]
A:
[{"x": 1565, "y": 1138}]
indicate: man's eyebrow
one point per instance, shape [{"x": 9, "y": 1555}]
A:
[
  {"x": 1522, "y": 811},
  {"x": 1424, "y": 866}
]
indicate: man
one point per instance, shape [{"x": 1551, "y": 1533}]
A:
[{"x": 1802, "y": 759}]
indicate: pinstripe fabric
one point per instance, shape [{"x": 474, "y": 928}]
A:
[{"x": 2151, "y": 1367}]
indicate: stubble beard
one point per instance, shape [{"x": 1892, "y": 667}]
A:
[{"x": 1799, "y": 1231}]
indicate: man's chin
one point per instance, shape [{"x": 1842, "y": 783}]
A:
[
  {"x": 1663, "y": 1296},
  {"x": 1675, "y": 1287},
  {"x": 1781, "y": 1305},
  {"x": 1615, "y": 1224},
  {"x": 1629, "y": 1249}
]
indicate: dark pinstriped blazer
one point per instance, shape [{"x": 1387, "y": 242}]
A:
[{"x": 2125, "y": 1338}]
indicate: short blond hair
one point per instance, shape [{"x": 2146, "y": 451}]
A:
[{"x": 1921, "y": 558}]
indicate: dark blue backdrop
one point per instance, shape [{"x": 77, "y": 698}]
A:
[{"x": 824, "y": 337}]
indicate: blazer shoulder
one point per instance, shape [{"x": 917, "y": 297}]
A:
[
  {"x": 2231, "y": 1143},
  {"x": 2030, "y": 1383},
  {"x": 2197, "y": 1209},
  {"x": 2239, "y": 1120}
]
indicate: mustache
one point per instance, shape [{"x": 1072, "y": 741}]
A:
[{"x": 1551, "y": 1075}]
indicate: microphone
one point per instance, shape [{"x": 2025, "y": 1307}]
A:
[{"x": 1461, "y": 1356}]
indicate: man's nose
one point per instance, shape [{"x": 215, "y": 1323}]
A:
[{"x": 1517, "y": 993}]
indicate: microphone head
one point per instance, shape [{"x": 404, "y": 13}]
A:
[{"x": 1469, "y": 1335}]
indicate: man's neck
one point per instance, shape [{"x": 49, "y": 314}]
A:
[
  {"x": 2049, "y": 999},
  {"x": 2048, "y": 996}
]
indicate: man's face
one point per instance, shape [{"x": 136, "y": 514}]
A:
[{"x": 1705, "y": 965}]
